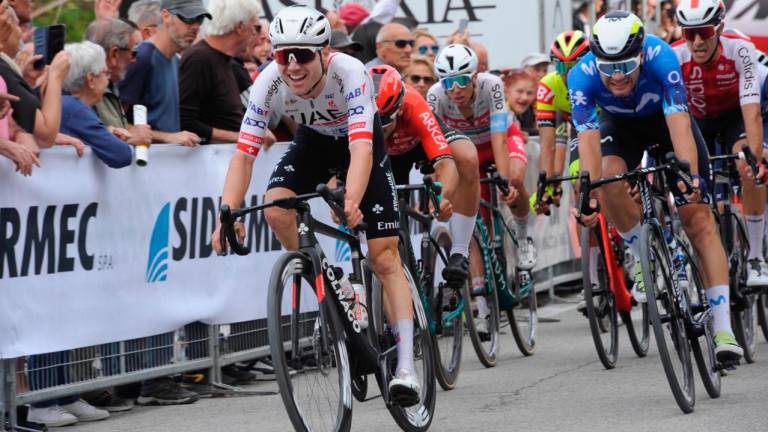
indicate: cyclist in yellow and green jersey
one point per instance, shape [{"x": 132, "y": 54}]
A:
[{"x": 553, "y": 108}]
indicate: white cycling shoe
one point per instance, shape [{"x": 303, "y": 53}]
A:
[
  {"x": 758, "y": 273},
  {"x": 404, "y": 388}
]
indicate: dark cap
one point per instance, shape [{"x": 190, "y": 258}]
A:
[
  {"x": 340, "y": 40},
  {"x": 190, "y": 9}
]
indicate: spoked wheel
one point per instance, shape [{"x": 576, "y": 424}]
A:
[
  {"x": 702, "y": 343},
  {"x": 666, "y": 317},
  {"x": 482, "y": 305},
  {"x": 415, "y": 418},
  {"x": 601, "y": 304},
  {"x": 306, "y": 335},
  {"x": 743, "y": 302},
  {"x": 637, "y": 322},
  {"x": 762, "y": 313},
  {"x": 523, "y": 316},
  {"x": 447, "y": 307}
]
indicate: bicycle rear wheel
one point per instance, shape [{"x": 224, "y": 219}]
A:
[
  {"x": 666, "y": 317},
  {"x": 762, "y": 313},
  {"x": 305, "y": 335},
  {"x": 743, "y": 309},
  {"x": 486, "y": 344},
  {"x": 446, "y": 311},
  {"x": 523, "y": 317},
  {"x": 601, "y": 304},
  {"x": 638, "y": 330}
]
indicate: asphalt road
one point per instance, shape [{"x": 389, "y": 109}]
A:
[{"x": 563, "y": 387}]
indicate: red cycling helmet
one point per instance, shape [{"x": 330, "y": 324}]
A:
[{"x": 389, "y": 88}]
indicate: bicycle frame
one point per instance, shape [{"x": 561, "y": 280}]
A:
[{"x": 616, "y": 282}]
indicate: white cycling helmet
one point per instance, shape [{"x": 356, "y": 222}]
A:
[
  {"x": 455, "y": 59},
  {"x": 695, "y": 13},
  {"x": 617, "y": 35},
  {"x": 299, "y": 25}
]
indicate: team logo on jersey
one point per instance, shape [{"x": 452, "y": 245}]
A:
[
  {"x": 544, "y": 94},
  {"x": 578, "y": 98}
]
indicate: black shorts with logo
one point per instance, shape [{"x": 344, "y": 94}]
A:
[
  {"x": 628, "y": 138},
  {"x": 722, "y": 133},
  {"x": 313, "y": 158}
]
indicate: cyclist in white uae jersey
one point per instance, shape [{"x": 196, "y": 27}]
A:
[
  {"x": 330, "y": 96},
  {"x": 473, "y": 104}
]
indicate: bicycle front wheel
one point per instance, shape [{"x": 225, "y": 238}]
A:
[
  {"x": 666, "y": 317},
  {"x": 762, "y": 313},
  {"x": 308, "y": 349},
  {"x": 447, "y": 309},
  {"x": 601, "y": 304},
  {"x": 481, "y": 307},
  {"x": 523, "y": 316}
]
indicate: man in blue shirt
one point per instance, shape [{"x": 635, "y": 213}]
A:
[
  {"x": 153, "y": 79},
  {"x": 636, "y": 81}
]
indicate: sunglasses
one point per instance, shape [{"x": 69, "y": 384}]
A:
[
  {"x": 401, "y": 43},
  {"x": 461, "y": 80},
  {"x": 191, "y": 21},
  {"x": 298, "y": 55},
  {"x": 563, "y": 67},
  {"x": 387, "y": 119},
  {"x": 705, "y": 32},
  {"x": 624, "y": 67},
  {"x": 425, "y": 48},
  {"x": 415, "y": 79}
]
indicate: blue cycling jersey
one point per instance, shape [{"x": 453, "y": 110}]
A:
[{"x": 659, "y": 88}]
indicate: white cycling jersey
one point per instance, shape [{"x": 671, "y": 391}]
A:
[
  {"x": 489, "y": 108},
  {"x": 345, "y": 107}
]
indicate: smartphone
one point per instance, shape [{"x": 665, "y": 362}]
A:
[
  {"x": 48, "y": 42},
  {"x": 463, "y": 23}
]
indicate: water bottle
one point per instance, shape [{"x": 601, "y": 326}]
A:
[
  {"x": 361, "y": 312},
  {"x": 347, "y": 293}
]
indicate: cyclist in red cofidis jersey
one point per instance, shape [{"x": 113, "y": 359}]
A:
[{"x": 721, "y": 76}]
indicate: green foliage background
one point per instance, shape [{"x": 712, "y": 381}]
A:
[{"x": 75, "y": 14}]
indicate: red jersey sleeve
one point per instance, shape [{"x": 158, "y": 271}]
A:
[{"x": 419, "y": 116}]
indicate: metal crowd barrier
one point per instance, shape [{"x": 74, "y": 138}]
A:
[{"x": 194, "y": 347}]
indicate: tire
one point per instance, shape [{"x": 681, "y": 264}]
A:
[
  {"x": 523, "y": 317},
  {"x": 703, "y": 346},
  {"x": 639, "y": 345},
  {"x": 600, "y": 301},
  {"x": 418, "y": 418},
  {"x": 318, "y": 396},
  {"x": 674, "y": 349},
  {"x": 743, "y": 309},
  {"x": 762, "y": 313},
  {"x": 449, "y": 332},
  {"x": 360, "y": 387},
  {"x": 487, "y": 350}
]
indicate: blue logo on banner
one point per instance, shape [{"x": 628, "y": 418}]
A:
[
  {"x": 157, "y": 264},
  {"x": 343, "y": 251}
]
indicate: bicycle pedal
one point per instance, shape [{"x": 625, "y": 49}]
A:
[{"x": 728, "y": 365}]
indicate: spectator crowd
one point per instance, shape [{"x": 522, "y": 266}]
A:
[{"x": 192, "y": 65}]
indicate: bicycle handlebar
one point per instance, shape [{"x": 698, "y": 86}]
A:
[
  {"x": 333, "y": 197},
  {"x": 542, "y": 184},
  {"x": 745, "y": 154},
  {"x": 434, "y": 189}
]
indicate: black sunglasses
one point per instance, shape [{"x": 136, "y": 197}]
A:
[
  {"x": 191, "y": 21},
  {"x": 401, "y": 43},
  {"x": 418, "y": 78},
  {"x": 134, "y": 52}
]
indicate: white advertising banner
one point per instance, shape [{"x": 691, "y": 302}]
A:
[{"x": 90, "y": 254}]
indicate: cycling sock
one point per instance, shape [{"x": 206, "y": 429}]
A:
[
  {"x": 721, "y": 308},
  {"x": 632, "y": 239},
  {"x": 594, "y": 253},
  {"x": 522, "y": 227},
  {"x": 755, "y": 227},
  {"x": 461, "y": 231},
  {"x": 482, "y": 307},
  {"x": 404, "y": 340}
]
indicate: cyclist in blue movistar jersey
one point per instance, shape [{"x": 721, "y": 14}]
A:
[{"x": 636, "y": 81}]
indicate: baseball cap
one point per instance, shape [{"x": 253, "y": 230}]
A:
[
  {"x": 533, "y": 59},
  {"x": 186, "y": 8},
  {"x": 353, "y": 14},
  {"x": 339, "y": 40}
]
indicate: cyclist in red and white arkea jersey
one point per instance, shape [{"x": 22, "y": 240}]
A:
[
  {"x": 415, "y": 135},
  {"x": 331, "y": 98},
  {"x": 721, "y": 77}
]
